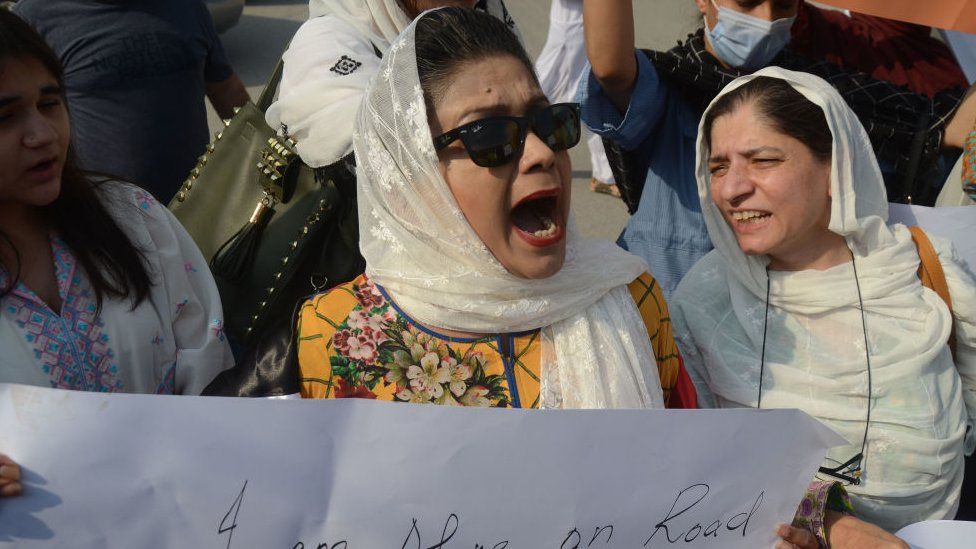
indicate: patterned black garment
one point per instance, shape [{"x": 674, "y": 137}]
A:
[{"x": 905, "y": 128}]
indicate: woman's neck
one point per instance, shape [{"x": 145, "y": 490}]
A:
[{"x": 818, "y": 254}]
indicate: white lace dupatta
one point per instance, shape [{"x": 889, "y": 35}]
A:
[{"x": 418, "y": 245}]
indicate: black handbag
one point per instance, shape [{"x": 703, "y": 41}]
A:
[{"x": 273, "y": 229}]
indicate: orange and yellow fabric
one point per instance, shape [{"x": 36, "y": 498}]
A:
[{"x": 353, "y": 341}]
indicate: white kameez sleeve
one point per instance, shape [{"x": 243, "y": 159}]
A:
[
  {"x": 327, "y": 69},
  {"x": 962, "y": 291},
  {"x": 188, "y": 295}
]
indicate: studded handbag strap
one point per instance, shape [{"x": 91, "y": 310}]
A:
[{"x": 271, "y": 88}]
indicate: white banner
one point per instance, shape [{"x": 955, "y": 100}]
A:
[{"x": 151, "y": 471}]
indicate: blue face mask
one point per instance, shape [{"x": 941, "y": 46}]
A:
[{"x": 747, "y": 42}]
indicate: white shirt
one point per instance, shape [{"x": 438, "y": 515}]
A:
[
  {"x": 172, "y": 342},
  {"x": 327, "y": 68}
]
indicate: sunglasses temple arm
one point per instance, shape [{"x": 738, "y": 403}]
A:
[{"x": 446, "y": 139}]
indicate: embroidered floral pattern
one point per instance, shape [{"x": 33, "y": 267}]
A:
[
  {"x": 217, "y": 327},
  {"x": 376, "y": 345},
  {"x": 70, "y": 348},
  {"x": 417, "y": 118},
  {"x": 144, "y": 200},
  {"x": 167, "y": 385}
]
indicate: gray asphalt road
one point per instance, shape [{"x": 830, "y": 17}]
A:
[{"x": 256, "y": 43}]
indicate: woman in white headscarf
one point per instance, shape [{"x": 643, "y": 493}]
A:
[
  {"x": 811, "y": 301},
  {"x": 478, "y": 291},
  {"x": 331, "y": 59}
]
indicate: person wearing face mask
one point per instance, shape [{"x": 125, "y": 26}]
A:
[
  {"x": 901, "y": 53},
  {"x": 746, "y": 41},
  {"x": 647, "y": 104}
]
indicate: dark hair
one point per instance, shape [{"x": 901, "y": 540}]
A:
[
  {"x": 450, "y": 37},
  {"x": 409, "y": 7},
  {"x": 113, "y": 264},
  {"x": 784, "y": 109}
]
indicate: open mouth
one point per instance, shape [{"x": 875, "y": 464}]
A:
[
  {"x": 537, "y": 217},
  {"x": 42, "y": 166},
  {"x": 750, "y": 216}
]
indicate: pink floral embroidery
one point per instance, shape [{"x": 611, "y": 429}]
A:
[
  {"x": 340, "y": 341},
  {"x": 144, "y": 200},
  {"x": 69, "y": 347},
  {"x": 167, "y": 385},
  {"x": 361, "y": 348},
  {"x": 375, "y": 344},
  {"x": 369, "y": 296},
  {"x": 217, "y": 327}
]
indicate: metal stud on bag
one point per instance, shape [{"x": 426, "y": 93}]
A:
[{"x": 317, "y": 282}]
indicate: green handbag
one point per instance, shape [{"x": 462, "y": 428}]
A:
[{"x": 273, "y": 229}]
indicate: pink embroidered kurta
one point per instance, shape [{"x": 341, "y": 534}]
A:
[{"x": 172, "y": 342}]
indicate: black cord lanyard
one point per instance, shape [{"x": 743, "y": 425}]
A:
[{"x": 850, "y": 470}]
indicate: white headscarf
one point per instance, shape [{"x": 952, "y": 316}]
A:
[
  {"x": 815, "y": 357},
  {"x": 320, "y": 93},
  {"x": 380, "y": 21},
  {"x": 418, "y": 245}
]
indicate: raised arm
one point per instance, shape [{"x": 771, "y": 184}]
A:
[{"x": 609, "y": 30}]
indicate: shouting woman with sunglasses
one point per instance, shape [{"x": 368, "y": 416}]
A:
[
  {"x": 811, "y": 301},
  {"x": 478, "y": 291}
]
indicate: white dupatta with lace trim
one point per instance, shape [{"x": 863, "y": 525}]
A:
[{"x": 418, "y": 245}]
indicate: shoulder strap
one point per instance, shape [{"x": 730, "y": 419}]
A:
[
  {"x": 267, "y": 96},
  {"x": 932, "y": 276}
]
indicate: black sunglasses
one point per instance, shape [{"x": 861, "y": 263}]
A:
[{"x": 497, "y": 140}]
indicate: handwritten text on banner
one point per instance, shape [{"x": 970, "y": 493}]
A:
[{"x": 149, "y": 471}]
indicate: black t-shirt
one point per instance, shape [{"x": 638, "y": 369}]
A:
[{"x": 135, "y": 73}]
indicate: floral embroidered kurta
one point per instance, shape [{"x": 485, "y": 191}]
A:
[
  {"x": 354, "y": 342},
  {"x": 172, "y": 342}
]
